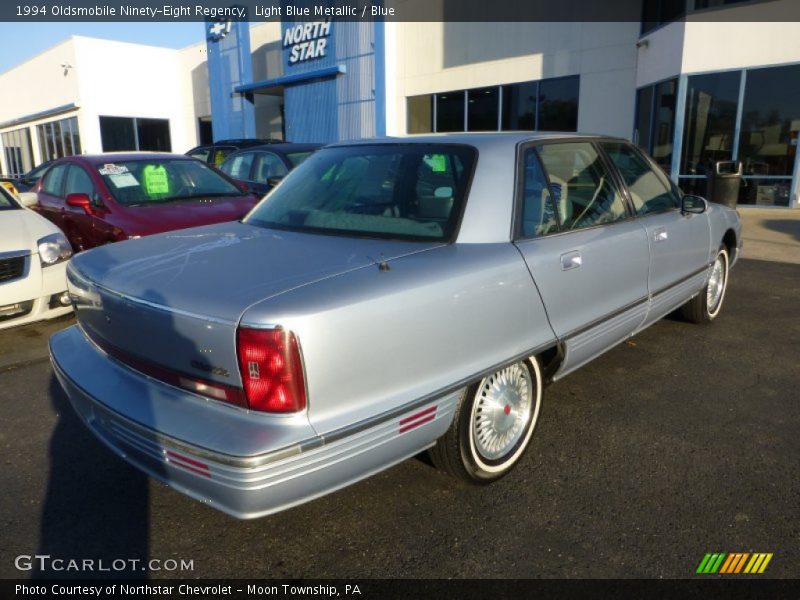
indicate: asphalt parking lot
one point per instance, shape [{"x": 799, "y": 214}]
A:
[{"x": 681, "y": 442}]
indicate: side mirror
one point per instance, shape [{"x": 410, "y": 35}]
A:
[
  {"x": 80, "y": 201},
  {"x": 242, "y": 185},
  {"x": 28, "y": 199},
  {"x": 691, "y": 204}
]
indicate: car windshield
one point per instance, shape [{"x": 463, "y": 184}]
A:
[
  {"x": 6, "y": 201},
  {"x": 407, "y": 191},
  {"x": 37, "y": 172},
  {"x": 160, "y": 180}
]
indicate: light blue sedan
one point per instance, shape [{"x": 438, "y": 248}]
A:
[{"x": 389, "y": 296}]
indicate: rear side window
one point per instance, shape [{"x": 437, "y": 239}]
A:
[
  {"x": 538, "y": 210},
  {"x": 268, "y": 165},
  {"x": 238, "y": 166},
  {"x": 54, "y": 180},
  {"x": 649, "y": 187},
  {"x": 398, "y": 191},
  {"x": 200, "y": 154},
  {"x": 583, "y": 191},
  {"x": 220, "y": 154}
]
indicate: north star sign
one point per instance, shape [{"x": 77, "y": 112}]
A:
[{"x": 307, "y": 40}]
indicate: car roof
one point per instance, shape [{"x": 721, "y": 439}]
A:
[
  {"x": 479, "y": 139},
  {"x": 97, "y": 159},
  {"x": 282, "y": 147}
]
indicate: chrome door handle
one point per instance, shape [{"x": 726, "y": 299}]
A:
[
  {"x": 660, "y": 235},
  {"x": 571, "y": 260}
]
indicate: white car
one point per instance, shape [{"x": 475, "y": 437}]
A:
[{"x": 33, "y": 260}]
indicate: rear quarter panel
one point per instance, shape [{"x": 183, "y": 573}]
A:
[
  {"x": 373, "y": 340},
  {"x": 720, "y": 220}
]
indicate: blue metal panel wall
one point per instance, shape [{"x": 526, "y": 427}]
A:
[
  {"x": 340, "y": 108},
  {"x": 309, "y": 115},
  {"x": 229, "y": 65}
]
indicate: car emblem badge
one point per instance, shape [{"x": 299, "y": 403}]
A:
[{"x": 254, "y": 372}]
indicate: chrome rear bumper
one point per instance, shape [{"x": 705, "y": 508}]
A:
[{"x": 274, "y": 476}]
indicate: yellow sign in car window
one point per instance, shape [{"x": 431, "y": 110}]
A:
[{"x": 155, "y": 180}]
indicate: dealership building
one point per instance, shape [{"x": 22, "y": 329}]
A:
[{"x": 693, "y": 82}]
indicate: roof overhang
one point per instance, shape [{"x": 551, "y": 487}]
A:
[{"x": 276, "y": 85}]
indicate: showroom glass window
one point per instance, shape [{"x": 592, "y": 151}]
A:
[
  {"x": 655, "y": 121},
  {"x": 710, "y": 121},
  {"x": 546, "y": 105},
  {"x": 420, "y": 114},
  {"x": 558, "y": 104},
  {"x": 483, "y": 109},
  {"x": 133, "y": 133},
  {"x": 450, "y": 111},
  {"x": 519, "y": 106},
  {"x": 769, "y": 134},
  {"x": 17, "y": 151},
  {"x": 59, "y": 138}
]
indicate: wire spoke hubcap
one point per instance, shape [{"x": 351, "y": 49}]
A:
[
  {"x": 716, "y": 283},
  {"x": 501, "y": 411}
]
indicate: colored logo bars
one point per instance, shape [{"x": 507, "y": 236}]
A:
[{"x": 734, "y": 563}]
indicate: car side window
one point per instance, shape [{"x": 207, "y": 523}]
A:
[
  {"x": 649, "y": 187},
  {"x": 53, "y": 182},
  {"x": 238, "y": 166},
  {"x": 200, "y": 153},
  {"x": 220, "y": 154},
  {"x": 583, "y": 190},
  {"x": 268, "y": 165},
  {"x": 79, "y": 182},
  {"x": 538, "y": 209}
]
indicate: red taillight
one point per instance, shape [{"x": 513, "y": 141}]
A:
[{"x": 272, "y": 370}]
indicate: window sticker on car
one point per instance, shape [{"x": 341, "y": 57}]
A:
[
  {"x": 112, "y": 169},
  {"x": 437, "y": 162},
  {"x": 123, "y": 180},
  {"x": 156, "y": 182}
]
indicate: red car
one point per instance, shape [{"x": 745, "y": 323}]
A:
[{"x": 110, "y": 197}]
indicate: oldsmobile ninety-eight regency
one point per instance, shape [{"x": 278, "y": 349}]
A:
[{"x": 389, "y": 296}]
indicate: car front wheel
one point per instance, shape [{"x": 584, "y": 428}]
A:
[
  {"x": 705, "y": 307},
  {"x": 492, "y": 425}
]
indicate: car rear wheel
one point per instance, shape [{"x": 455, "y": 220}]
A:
[
  {"x": 705, "y": 307},
  {"x": 492, "y": 425}
]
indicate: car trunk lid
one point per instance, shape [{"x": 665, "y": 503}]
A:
[{"x": 174, "y": 300}]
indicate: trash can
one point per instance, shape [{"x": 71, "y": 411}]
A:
[{"x": 724, "y": 180}]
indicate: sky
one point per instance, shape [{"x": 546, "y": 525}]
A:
[{"x": 21, "y": 41}]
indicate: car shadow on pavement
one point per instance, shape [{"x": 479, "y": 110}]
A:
[
  {"x": 787, "y": 226},
  {"x": 96, "y": 507}
]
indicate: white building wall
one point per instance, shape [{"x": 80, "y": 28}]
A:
[
  {"x": 438, "y": 57},
  {"x": 732, "y": 37},
  {"x": 195, "y": 96},
  {"x": 129, "y": 80},
  {"x": 24, "y": 93}
]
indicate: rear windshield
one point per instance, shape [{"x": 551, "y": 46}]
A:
[
  {"x": 156, "y": 181},
  {"x": 404, "y": 191},
  {"x": 6, "y": 201},
  {"x": 297, "y": 157}
]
